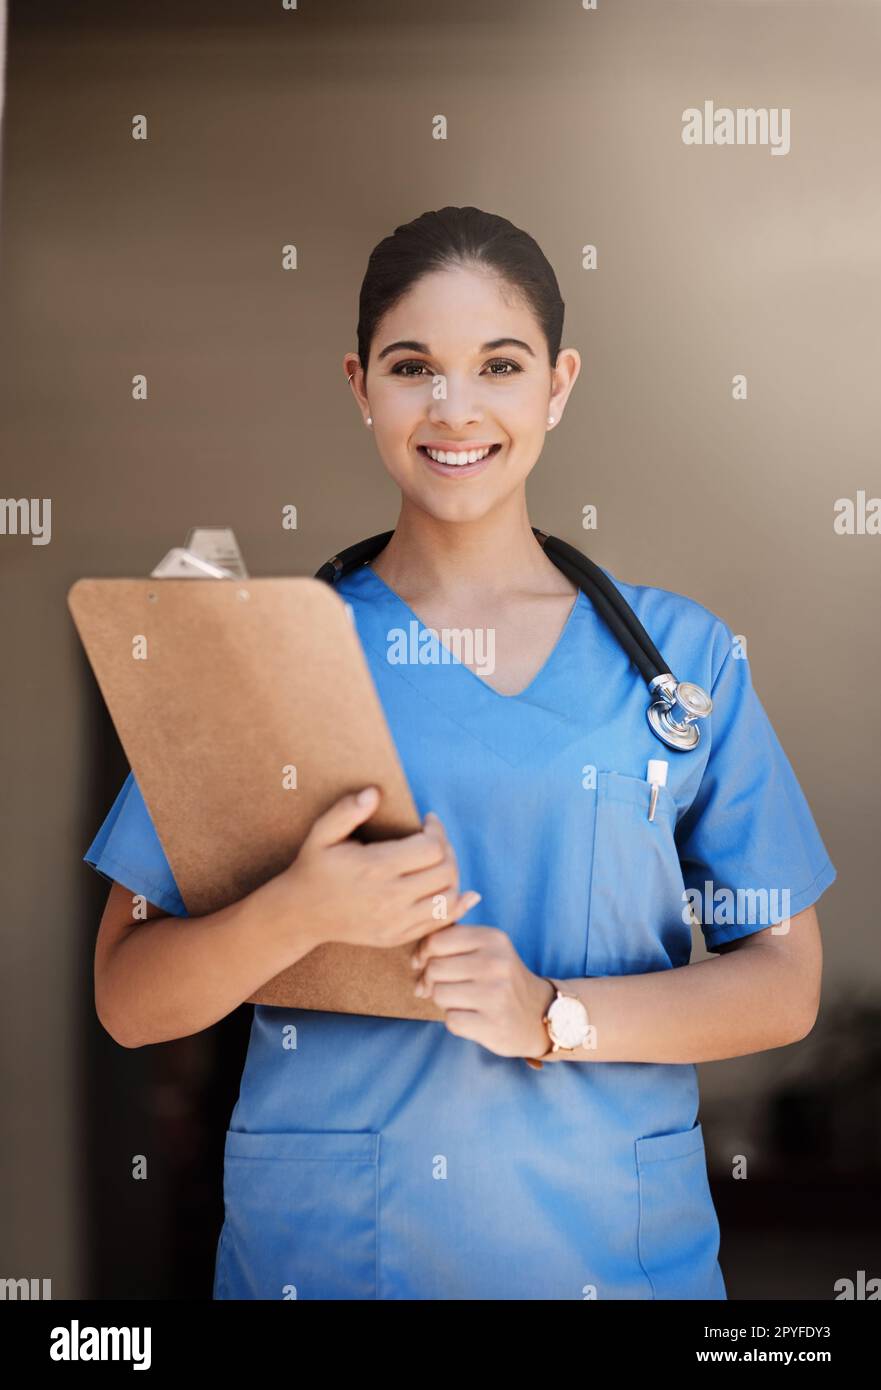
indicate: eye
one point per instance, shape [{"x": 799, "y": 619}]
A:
[
  {"x": 400, "y": 369},
  {"x": 504, "y": 362}
]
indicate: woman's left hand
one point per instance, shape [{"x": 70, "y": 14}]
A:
[{"x": 486, "y": 992}]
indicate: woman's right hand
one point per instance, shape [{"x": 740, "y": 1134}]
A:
[{"x": 385, "y": 893}]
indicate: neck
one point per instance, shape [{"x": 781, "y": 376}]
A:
[{"x": 456, "y": 561}]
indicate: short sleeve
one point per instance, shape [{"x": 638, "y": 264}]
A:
[
  {"x": 750, "y": 850},
  {"x": 127, "y": 849}
]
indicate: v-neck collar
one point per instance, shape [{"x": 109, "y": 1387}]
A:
[
  {"x": 453, "y": 659},
  {"x": 513, "y": 726}
]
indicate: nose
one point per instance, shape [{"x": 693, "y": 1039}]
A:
[{"x": 458, "y": 409}]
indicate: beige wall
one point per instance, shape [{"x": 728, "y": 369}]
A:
[{"x": 314, "y": 127}]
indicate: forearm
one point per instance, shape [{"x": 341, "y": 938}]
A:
[
  {"x": 173, "y": 976},
  {"x": 745, "y": 1001}
]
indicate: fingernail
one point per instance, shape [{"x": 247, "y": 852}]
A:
[
  {"x": 364, "y": 798},
  {"x": 473, "y": 900}
]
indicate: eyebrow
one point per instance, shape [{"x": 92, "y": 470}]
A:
[{"x": 411, "y": 345}]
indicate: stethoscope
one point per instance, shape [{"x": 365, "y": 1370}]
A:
[{"x": 676, "y": 706}]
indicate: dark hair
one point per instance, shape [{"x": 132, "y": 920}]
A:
[{"x": 456, "y": 237}]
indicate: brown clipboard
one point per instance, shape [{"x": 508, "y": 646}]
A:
[{"x": 246, "y": 708}]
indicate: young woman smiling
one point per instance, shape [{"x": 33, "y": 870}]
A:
[{"x": 398, "y": 1159}]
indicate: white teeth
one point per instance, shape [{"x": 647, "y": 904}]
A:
[{"x": 458, "y": 460}]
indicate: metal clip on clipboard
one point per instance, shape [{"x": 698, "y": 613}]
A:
[{"x": 210, "y": 552}]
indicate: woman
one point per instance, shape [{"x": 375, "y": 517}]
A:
[{"x": 387, "y": 1158}]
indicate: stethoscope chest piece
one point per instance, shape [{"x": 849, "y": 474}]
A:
[{"x": 673, "y": 717}]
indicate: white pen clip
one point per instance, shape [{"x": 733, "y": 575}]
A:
[{"x": 657, "y": 778}]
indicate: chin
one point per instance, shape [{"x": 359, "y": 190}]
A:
[{"x": 452, "y": 509}]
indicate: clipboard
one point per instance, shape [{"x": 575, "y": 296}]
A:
[{"x": 246, "y": 708}]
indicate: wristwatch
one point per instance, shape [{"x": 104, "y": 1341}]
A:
[{"x": 566, "y": 1021}]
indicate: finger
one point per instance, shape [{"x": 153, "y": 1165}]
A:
[
  {"x": 450, "y": 968},
  {"x": 409, "y": 854},
  {"x": 435, "y": 825},
  {"x": 337, "y": 823},
  {"x": 438, "y": 881},
  {"x": 447, "y": 907},
  {"x": 416, "y": 931},
  {"x": 450, "y": 941},
  {"x": 434, "y": 914},
  {"x": 454, "y": 994}
]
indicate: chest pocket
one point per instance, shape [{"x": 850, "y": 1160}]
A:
[{"x": 635, "y": 914}]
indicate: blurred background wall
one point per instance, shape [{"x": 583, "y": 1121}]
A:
[{"x": 162, "y": 256}]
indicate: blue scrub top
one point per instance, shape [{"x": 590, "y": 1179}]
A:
[{"x": 374, "y": 1158}]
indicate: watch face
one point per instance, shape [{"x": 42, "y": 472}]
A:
[{"x": 567, "y": 1022}]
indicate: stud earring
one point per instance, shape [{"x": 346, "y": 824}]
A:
[
  {"x": 552, "y": 419},
  {"x": 370, "y": 419}
]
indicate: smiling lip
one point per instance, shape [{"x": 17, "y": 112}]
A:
[{"x": 458, "y": 446}]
